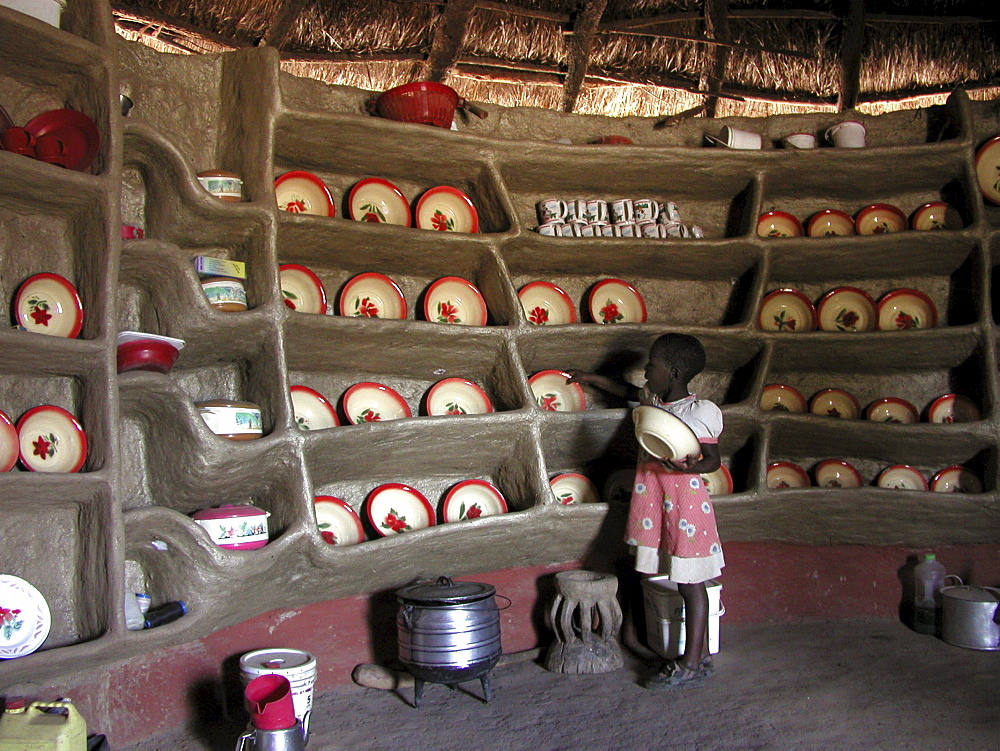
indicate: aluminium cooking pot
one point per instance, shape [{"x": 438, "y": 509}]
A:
[{"x": 970, "y": 616}]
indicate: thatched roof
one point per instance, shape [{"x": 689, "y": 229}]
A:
[{"x": 616, "y": 57}]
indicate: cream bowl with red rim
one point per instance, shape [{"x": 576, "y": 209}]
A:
[
  {"x": 546, "y": 304},
  {"x": 664, "y": 435},
  {"x": 373, "y": 402},
  {"x": 301, "y": 289},
  {"x": 906, "y": 308},
  {"x": 787, "y": 311},
  {"x": 902, "y": 477},
  {"x": 301, "y": 192},
  {"x": 778, "y": 224},
  {"x": 447, "y": 209},
  {"x": 783, "y": 475},
  {"x": 338, "y": 523},
  {"x": 372, "y": 295},
  {"x": 780, "y": 397},
  {"x": 936, "y": 215},
  {"x": 892, "y": 409},
  {"x": 394, "y": 508},
  {"x": 846, "y": 309},
  {"x": 835, "y": 403},
  {"x": 456, "y": 396},
  {"x": 615, "y": 301},
  {"x": 837, "y": 473},
  {"x": 49, "y": 304},
  {"x": 988, "y": 169},
  {"x": 8, "y": 443},
  {"x": 956, "y": 479},
  {"x": 719, "y": 482},
  {"x": 880, "y": 219},
  {"x": 950, "y": 408},
  {"x": 312, "y": 410},
  {"x": 554, "y": 393},
  {"x": 830, "y": 223},
  {"x": 378, "y": 201},
  {"x": 472, "y": 499},
  {"x": 51, "y": 439},
  {"x": 453, "y": 299},
  {"x": 571, "y": 488}
]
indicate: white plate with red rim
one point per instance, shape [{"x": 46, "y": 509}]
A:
[
  {"x": 25, "y": 618},
  {"x": 880, "y": 219},
  {"x": 787, "y": 310},
  {"x": 956, "y": 479},
  {"x": 836, "y": 473},
  {"x": 457, "y": 396},
  {"x": 830, "y": 223},
  {"x": 778, "y": 224},
  {"x": 835, "y": 403},
  {"x": 394, "y": 508},
  {"x": 936, "y": 215},
  {"x": 447, "y": 209},
  {"x": 373, "y": 402},
  {"x": 453, "y": 299},
  {"x": 554, "y": 394},
  {"x": 372, "y": 295},
  {"x": 571, "y": 488},
  {"x": 902, "y": 477},
  {"x": 312, "y": 410},
  {"x": 51, "y": 439},
  {"x": 301, "y": 192},
  {"x": 892, "y": 409},
  {"x": 988, "y": 169},
  {"x": 472, "y": 499},
  {"x": 301, "y": 289},
  {"x": 719, "y": 482},
  {"x": 906, "y": 308},
  {"x": 8, "y": 443},
  {"x": 951, "y": 408},
  {"x": 616, "y": 301},
  {"x": 779, "y": 397},
  {"x": 338, "y": 523},
  {"x": 846, "y": 309},
  {"x": 546, "y": 304},
  {"x": 49, "y": 304},
  {"x": 378, "y": 201},
  {"x": 782, "y": 475}
]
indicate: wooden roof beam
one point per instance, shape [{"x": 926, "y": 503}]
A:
[
  {"x": 279, "y": 28},
  {"x": 580, "y": 45},
  {"x": 851, "y": 52},
  {"x": 716, "y": 27},
  {"x": 449, "y": 39}
]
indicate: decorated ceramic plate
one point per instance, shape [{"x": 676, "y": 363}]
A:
[
  {"x": 835, "y": 403},
  {"x": 49, "y": 304},
  {"x": 781, "y": 475},
  {"x": 615, "y": 301},
  {"x": 553, "y": 393},
  {"x": 787, "y": 310},
  {"x": 846, "y": 309},
  {"x": 50, "y": 439},
  {"x": 906, "y": 309},
  {"x": 378, "y": 201},
  {"x": 338, "y": 523},
  {"x": 372, "y": 295},
  {"x": 8, "y": 443},
  {"x": 447, "y": 209},
  {"x": 663, "y": 434},
  {"x": 76, "y": 132},
  {"x": 936, "y": 215},
  {"x": 836, "y": 473},
  {"x": 830, "y": 223},
  {"x": 301, "y": 289},
  {"x": 778, "y": 224},
  {"x": 25, "y": 619},
  {"x": 892, "y": 409},
  {"x": 988, "y": 169},
  {"x": 312, "y": 410},
  {"x": 571, "y": 488},
  {"x": 719, "y": 482},
  {"x": 457, "y": 396},
  {"x": 880, "y": 219},
  {"x": 902, "y": 477},
  {"x": 953, "y": 408},
  {"x": 546, "y": 304},
  {"x": 618, "y": 487},
  {"x": 956, "y": 479},
  {"x": 394, "y": 508},
  {"x": 301, "y": 192},
  {"x": 781, "y": 398},
  {"x": 471, "y": 499},
  {"x": 373, "y": 402},
  {"x": 453, "y": 299}
]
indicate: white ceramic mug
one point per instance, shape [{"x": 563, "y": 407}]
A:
[
  {"x": 849, "y": 134},
  {"x": 671, "y": 229},
  {"x": 622, "y": 210},
  {"x": 576, "y": 210},
  {"x": 799, "y": 141},
  {"x": 551, "y": 229},
  {"x": 646, "y": 209},
  {"x": 625, "y": 229},
  {"x": 669, "y": 212},
  {"x": 648, "y": 228},
  {"x": 551, "y": 210},
  {"x": 573, "y": 229},
  {"x": 735, "y": 138},
  {"x": 597, "y": 210}
]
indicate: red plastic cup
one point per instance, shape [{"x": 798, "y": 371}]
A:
[
  {"x": 16, "y": 138},
  {"x": 269, "y": 699},
  {"x": 47, "y": 147}
]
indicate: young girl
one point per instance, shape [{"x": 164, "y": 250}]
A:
[{"x": 671, "y": 523}]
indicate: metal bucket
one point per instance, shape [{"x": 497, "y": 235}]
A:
[{"x": 969, "y": 617}]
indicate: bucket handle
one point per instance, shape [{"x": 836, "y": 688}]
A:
[
  {"x": 956, "y": 577},
  {"x": 502, "y": 597},
  {"x": 249, "y": 735}
]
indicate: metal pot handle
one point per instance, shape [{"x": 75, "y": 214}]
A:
[
  {"x": 408, "y": 615},
  {"x": 509, "y": 601},
  {"x": 956, "y": 577},
  {"x": 249, "y": 735},
  {"x": 445, "y": 581}
]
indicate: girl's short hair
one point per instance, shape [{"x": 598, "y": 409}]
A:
[{"x": 682, "y": 350}]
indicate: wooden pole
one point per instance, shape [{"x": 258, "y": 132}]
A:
[
  {"x": 716, "y": 27},
  {"x": 449, "y": 39},
  {"x": 851, "y": 52},
  {"x": 580, "y": 45},
  {"x": 277, "y": 33}
]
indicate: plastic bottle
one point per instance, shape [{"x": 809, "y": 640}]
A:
[
  {"x": 133, "y": 615},
  {"x": 167, "y": 613},
  {"x": 928, "y": 579}
]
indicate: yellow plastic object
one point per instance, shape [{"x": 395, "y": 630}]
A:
[{"x": 36, "y": 729}]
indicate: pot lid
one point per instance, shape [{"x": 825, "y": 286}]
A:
[
  {"x": 972, "y": 594},
  {"x": 444, "y": 591}
]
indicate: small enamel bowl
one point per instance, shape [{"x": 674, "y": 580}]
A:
[
  {"x": 829, "y": 223},
  {"x": 936, "y": 215},
  {"x": 782, "y": 475},
  {"x": 788, "y": 311},
  {"x": 956, "y": 479},
  {"x": 836, "y": 473},
  {"x": 835, "y": 403},
  {"x": 778, "y": 224},
  {"x": 902, "y": 477},
  {"x": 880, "y": 219},
  {"x": 892, "y": 409},
  {"x": 778, "y": 397}
]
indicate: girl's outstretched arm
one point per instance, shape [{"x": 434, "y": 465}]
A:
[{"x": 604, "y": 383}]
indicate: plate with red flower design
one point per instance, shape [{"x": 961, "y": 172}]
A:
[
  {"x": 453, "y": 299},
  {"x": 447, "y": 209},
  {"x": 301, "y": 192},
  {"x": 301, "y": 289},
  {"x": 788, "y": 311},
  {"x": 719, "y": 482},
  {"x": 50, "y": 439},
  {"x": 378, "y": 201},
  {"x": 902, "y": 477},
  {"x": 457, "y": 396},
  {"x": 778, "y": 224},
  {"x": 616, "y": 301},
  {"x": 892, "y": 409},
  {"x": 394, "y": 508},
  {"x": 936, "y": 215},
  {"x": 48, "y": 304},
  {"x": 906, "y": 308},
  {"x": 554, "y": 394},
  {"x": 779, "y": 397},
  {"x": 338, "y": 523},
  {"x": 782, "y": 475},
  {"x": 830, "y": 223},
  {"x": 953, "y": 408},
  {"x": 846, "y": 309},
  {"x": 836, "y": 473},
  {"x": 956, "y": 479},
  {"x": 25, "y": 619},
  {"x": 546, "y": 304},
  {"x": 571, "y": 488},
  {"x": 313, "y": 411},
  {"x": 835, "y": 403},
  {"x": 988, "y": 169},
  {"x": 372, "y": 295},
  {"x": 373, "y": 402},
  {"x": 880, "y": 219},
  {"x": 8, "y": 443},
  {"x": 472, "y": 499}
]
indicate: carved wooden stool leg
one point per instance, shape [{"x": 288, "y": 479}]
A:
[{"x": 586, "y": 617}]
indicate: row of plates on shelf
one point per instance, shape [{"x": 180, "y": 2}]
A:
[
  {"x": 837, "y": 473},
  {"x": 46, "y": 438},
  {"x": 876, "y": 219},
  {"x": 442, "y": 208},
  {"x": 48, "y": 303},
  {"x": 609, "y": 301},
  {"x": 846, "y": 309},
  {"x": 835, "y": 402}
]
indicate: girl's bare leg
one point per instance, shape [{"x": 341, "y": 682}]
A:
[{"x": 695, "y": 623}]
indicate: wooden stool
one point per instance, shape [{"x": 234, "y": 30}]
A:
[{"x": 586, "y": 617}]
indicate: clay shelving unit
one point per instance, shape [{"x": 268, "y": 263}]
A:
[{"x": 124, "y": 523}]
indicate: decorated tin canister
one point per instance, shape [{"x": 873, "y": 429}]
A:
[
  {"x": 223, "y": 185},
  {"x": 234, "y": 527},
  {"x": 237, "y": 421},
  {"x": 225, "y": 294}
]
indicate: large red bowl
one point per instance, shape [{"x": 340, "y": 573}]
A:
[{"x": 146, "y": 354}]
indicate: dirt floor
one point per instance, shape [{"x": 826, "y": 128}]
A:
[{"x": 858, "y": 684}]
